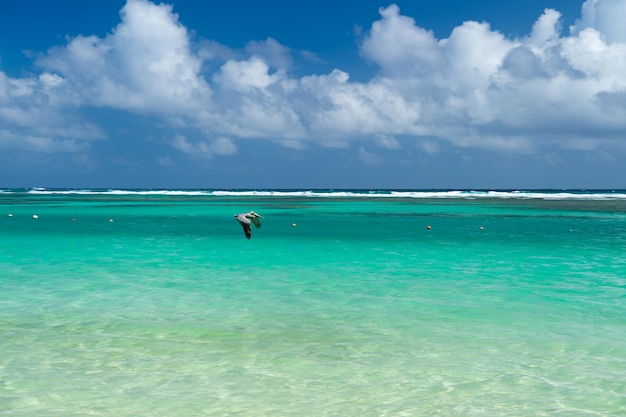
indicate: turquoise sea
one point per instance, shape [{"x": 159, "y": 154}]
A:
[{"x": 344, "y": 303}]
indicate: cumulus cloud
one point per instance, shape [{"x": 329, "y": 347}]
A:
[
  {"x": 478, "y": 88},
  {"x": 145, "y": 65},
  {"x": 400, "y": 47},
  {"x": 605, "y": 16},
  {"x": 272, "y": 52},
  {"x": 32, "y": 120},
  {"x": 473, "y": 88},
  {"x": 243, "y": 76}
]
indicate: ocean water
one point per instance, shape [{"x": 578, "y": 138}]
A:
[{"x": 344, "y": 303}]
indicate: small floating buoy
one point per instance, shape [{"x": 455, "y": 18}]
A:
[
  {"x": 73, "y": 219},
  {"x": 110, "y": 220},
  {"x": 10, "y": 214},
  {"x": 428, "y": 227},
  {"x": 35, "y": 216},
  {"x": 293, "y": 225},
  {"x": 481, "y": 228}
]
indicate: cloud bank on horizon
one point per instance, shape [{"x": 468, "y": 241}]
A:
[{"x": 555, "y": 87}]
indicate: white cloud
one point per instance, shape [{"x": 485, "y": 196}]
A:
[
  {"x": 428, "y": 146},
  {"x": 43, "y": 144},
  {"x": 251, "y": 102},
  {"x": 145, "y": 65},
  {"x": 209, "y": 50},
  {"x": 343, "y": 110},
  {"x": 50, "y": 81},
  {"x": 199, "y": 149},
  {"x": 223, "y": 146},
  {"x": 400, "y": 47},
  {"x": 475, "y": 88},
  {"x": 272, "y": 52},
  {"x": 247, "y": 75},
  {"x": 293, "y": 144},
  {"x": 485, "y": 90},
  {"x": 203, "y": 149},
  {"x": 474, "y": 54},
  {"x": 369, "y": 158},
  {"x": 546, "y": 29},
  {"x": 606, "y": 16},
  {"x": 388, "y": 142},
  {"x": 31, "y": 119}
]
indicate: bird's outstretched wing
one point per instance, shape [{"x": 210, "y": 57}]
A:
[
  {"x": 247, "y": 230},
  {"x": 256, "y": 221}
]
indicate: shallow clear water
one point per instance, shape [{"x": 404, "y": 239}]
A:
[{"x": 153, "y": 305}]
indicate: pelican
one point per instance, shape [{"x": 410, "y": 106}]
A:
[{"x": 244, "y": 221}]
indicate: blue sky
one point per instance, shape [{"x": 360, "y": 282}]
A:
[{"x": 325, "y": 94}]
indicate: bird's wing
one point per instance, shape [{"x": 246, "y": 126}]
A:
[
  {"x": 256, "y": 221},
  {"x": 247, "y": 230}
]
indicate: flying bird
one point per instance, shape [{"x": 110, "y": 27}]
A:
[{"x": 244, "y": 221}]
